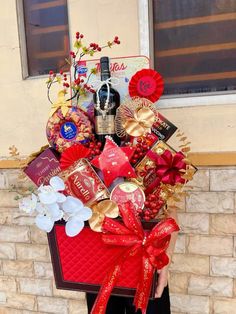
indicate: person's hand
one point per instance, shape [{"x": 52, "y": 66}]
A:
[{"x": 162, "y": 281}]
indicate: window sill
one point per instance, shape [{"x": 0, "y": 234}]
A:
[
  {"x": 42, "y": 76},
  {"x": 193, "y": 100}
]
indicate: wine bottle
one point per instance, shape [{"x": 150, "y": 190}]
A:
[{"x": 106, "y": 100}]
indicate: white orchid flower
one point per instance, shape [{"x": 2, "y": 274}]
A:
[
  {"x": 55, "y": 212},
  {"x": 51, "y": 206},
  {"x": 49, "y": 194},
  {"x": 77, "y": 213},
  {"x": 28, "y": 204},
  {"x": 74, "y": 226},
  {"x": 44, "y": 222},
  {"x": 48, "y": 214},
  {"x": 41, "y": 208}
]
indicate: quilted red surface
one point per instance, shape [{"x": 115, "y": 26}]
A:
[{"x": 86, "y": 259}]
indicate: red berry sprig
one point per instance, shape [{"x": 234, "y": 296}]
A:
[
  {"x": 72, "y": 54},
  {"x": 95, "y": 148},
  {"x": 141, "y": 150},
  {"x": 153, "y": 204},
  {"x": 89, "y": 88},
  {"x": 67, "y": 85},
  {"x": 78, "y": 35},
  {"x": 95, "y": 47},
  {"x": 78, "y": 86},
  {"x": 52, "y": 75},
  {"x": 116, "y": 40}
]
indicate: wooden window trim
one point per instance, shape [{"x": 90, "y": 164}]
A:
[
  {"x": 46, "y": 5},
  {"x": 197, "y": 20}
]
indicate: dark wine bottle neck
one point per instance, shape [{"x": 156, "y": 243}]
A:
[{"x": 105, "y": 76}]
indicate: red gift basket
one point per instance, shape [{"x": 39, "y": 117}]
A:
[
  {"x": 81, "y": 262},
  {"x": 99, "y": 181}
]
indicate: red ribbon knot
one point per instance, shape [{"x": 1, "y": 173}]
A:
[
  {"x": 150, "y": 246},
  {"x": 144, "y": 240}
]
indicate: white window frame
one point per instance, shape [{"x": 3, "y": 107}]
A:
[
  {"x": 146, "y": 48},
  {"x": 22, "y": 39}
]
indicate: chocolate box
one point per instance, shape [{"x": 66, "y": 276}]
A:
[
  {"x": 45, "y": 166},
  {"x": 163, "y": 128},
  {"x": 81, "y": 262}
]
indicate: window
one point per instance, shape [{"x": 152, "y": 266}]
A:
[
  {"x": 47, "y": 35},
  {"x": 195, "y": 45}
]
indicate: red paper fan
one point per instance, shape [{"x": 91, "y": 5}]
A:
[
  {"x": 146, "y": 83},
  {"x": 73, "y": 154}
]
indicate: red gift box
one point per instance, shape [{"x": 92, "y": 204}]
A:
[
  {"x": 81, "y": 262},
  {"x": 45, "y": 166}
]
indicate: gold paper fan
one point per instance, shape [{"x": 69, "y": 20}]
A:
[{"x": 135, "y": 117}]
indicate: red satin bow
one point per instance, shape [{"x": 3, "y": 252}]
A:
[
  {"x": 168, "y": 166},
  {"x": 150, "y": 246}
]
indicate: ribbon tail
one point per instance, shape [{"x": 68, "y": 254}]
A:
[
  {"x": 100, "y": 304},
  {"x": 53, "y": 110},
  {"x": 64, "y": 110},
  {"x": 109, "y": 283},
  {"x": 144, "y": 286}
]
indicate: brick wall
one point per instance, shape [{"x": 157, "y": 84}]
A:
[{"x": 203, "y": 272}]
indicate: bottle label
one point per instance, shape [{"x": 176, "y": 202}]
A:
[{"x": 105, "y": 125}]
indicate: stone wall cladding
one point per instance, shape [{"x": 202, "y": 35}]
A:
[
  {"x": 203, "y": 275},
  {"x": 203, "y": 270}
]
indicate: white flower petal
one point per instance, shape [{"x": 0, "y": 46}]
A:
[
  {"x": 61, "y": 198},
  {"x": 45, "y": 189},
  {"x": 66, "y": 216},
  {"x": 55, "y": 212},
  {"x": 40, "y": 188},
  {"x": 24, "y": 205},
  {"x": 74, "y": 226},
  {"x": 53, "y": 207},
  {"x": 47, "y": 198},
  {"x": 72, "y": 205},
  {"x": 84, "y": 214},
  {"x": 59, "y": 215},
  {"x": 28, "y": 204},
  {"x": 41, "y": 208},
  {"x": 57, "y": 184},
  {"x": 44, "y": 223},
  {"x": 34, "y": 199}
]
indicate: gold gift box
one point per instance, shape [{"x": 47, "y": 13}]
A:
[{"x": 148, "y": 167}]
